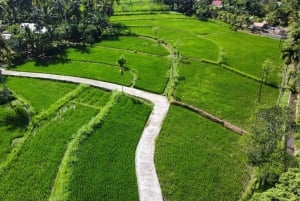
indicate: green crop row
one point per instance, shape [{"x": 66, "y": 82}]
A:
[
  {"x": 221, "y": 92},
  {"x": 12, "y": 143},
  {"x": 104, "y": 169},
  {"x": 101, "y": 63},
  {"x": 198, "y": 160},
  {"x": 139, "y": 5},
  {"x": 135, "y": 44},
  {"x": 31, "y": 174},
  {"x": 201, "y": 40},
  {"x": 39, "y": 94},
  {"x": 12, "y": 127},
  {"x": 59, "y": 190}
]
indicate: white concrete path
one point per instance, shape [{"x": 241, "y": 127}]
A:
[{"x": 148, "y": 184}]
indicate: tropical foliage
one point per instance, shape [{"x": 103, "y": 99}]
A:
[{"x": 43, "y": 28}]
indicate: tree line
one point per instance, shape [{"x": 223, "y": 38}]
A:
[
  {"x": 57, "y": 24},
  {"x": 240, "y": 12}
]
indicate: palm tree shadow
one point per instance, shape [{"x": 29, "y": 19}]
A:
[
  {"x": 15, "y": 120},
  {"x": 60, "y": 58},
  {"x": 82, "y": 48}
]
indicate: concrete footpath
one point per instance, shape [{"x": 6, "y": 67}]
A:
[{"x": 148, "y": 184}]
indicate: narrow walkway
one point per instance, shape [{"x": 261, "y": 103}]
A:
[{"x": 148, "y": 184}]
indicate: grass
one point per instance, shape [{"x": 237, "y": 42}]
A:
[
  {"x": 253, "y": 50},
  {"x": 248, "y": 52},
  {"x": 11, "y": 127},
  {"x": 105, "y": 167},
  {"x": 38, "y": 93},
  {"x": 135, "y": 44},
  {"x": 199, "y": 160},
  {"x": 31, "y": 175},
  {"x": 125, "y": 6},
  {"x": 221, "y": 92},
  {"x": 62, "y": 179},
  {"x": 83, "y": 69},
  {"x": 101, "y": 63}
]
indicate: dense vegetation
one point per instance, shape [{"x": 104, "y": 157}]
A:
[
  {"x": 240, "y": 13},
  {"x": 55, "y": 24}
]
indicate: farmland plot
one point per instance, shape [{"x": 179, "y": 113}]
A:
[
  {"x": 31, "y": 175},
  {"x": 105, "y": 167}
]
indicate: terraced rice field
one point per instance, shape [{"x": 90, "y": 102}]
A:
[{"x": 195, "y": 158}]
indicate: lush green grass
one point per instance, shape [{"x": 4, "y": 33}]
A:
[
  {"x": 38, "y": 93},
  {"x": 248, "y": 52},
  {"x": 221, "y": 92},
  {"x": 82, "y": 69},
  {"x": 199, "y": 48},
  {"x": 92, "y": 98},
  {"x": 135, "y": 44},
  {"x": 101, "y": 63},
  {"x": 31, "y": 175},
  {"x": 124, "y": 6},
  {"x": 11, "y": 126},
  {"x": 199, "y": 160},
  {"x": 242, "y": 51},
  {"x": 105, "y": 168}
]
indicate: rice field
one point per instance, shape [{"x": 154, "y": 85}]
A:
[
  {"x": 105, "y": 167},
  {"x": 221, "y": 92},
  {"x": 146, "y": 63},
  {"x": 31, "y": 174},
  {"x": 199, "y": 160}
]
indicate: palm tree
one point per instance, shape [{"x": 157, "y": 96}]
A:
[{"x": 291, "y": 77}]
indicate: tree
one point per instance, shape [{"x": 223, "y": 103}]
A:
[
  {"x": 122, "y": 62},
  {"x": 265, "y": 149},
  {"x": 267, "y": 68},
  {"x": 286, "y": 189},
  {"x": 291, "y": 78},
  {"x": 6, "y": 54}
]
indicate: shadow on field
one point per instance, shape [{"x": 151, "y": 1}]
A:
[
  {"x": 119, "y": 29},
  {"x": 60, "y": 58},
  {"x": 14, "y": 120}
]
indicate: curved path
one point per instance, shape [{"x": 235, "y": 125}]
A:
[{"x": 148, "y": 184}]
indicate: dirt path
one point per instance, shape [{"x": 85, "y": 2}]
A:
[{"x": 148, "y": 184}]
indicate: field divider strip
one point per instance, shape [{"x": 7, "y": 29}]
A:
[
  {"x": 59, "y": 189},
  {"x": 212, "y": 118},
  {"x": 131, "y": 51},
  {"x": 148, "y": 183},
  {"x": 234, "y": 70},
  {"x": 95, "y": 62},
  {"x": 87, "y": 105},
  {"x": 36, "y": 121}
]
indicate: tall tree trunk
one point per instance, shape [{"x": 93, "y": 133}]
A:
[
  {"x": 282, "y": 85},
  {"x": 289, "y": 140}
]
